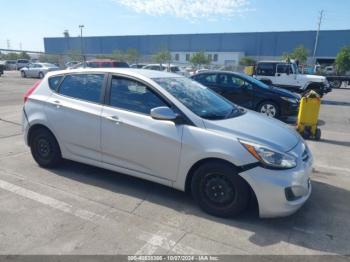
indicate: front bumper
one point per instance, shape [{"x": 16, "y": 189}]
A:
[{"x": 270, "y": 187}]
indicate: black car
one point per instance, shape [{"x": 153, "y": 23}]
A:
[{"x": 251, "y": 93}]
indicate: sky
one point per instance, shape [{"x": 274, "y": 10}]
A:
[{"x": 24, "y": 23}]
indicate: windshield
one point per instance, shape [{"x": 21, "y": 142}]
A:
[
  {"x": 199, "y": 99},
  {"x": 49, "y": 65},
  {"x": 295, "y": 68},
  {"x": 254, "y": 81}
]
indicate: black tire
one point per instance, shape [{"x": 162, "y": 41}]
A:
[
  {"x": 335, "y": 83},
  {"x": 44, "y": 148},
  {"x": 41, "y": 75},
  {"x": 219, "y": 190},
  {"x": 267, "y": 107},
  {"x": 318, "y": 134},
  {"x": 23, "y": 74}
]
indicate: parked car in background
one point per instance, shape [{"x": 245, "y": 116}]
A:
[
  {"x": 251, "y": 93},
  {"x": 71, "y": 64},
  {"x": 171, "y": 130},
  {"x": 10, "y": 65},
  {"x": 38, "y": 70},
  {"x": 22, "y": 63},
  {"x": 102, "y": 63},
  {"x": 168, "y": 68},
  {"x": 286, "y": 75},
  {"x": 2, "y": 67},
  {"x": 139, "y": 66}
]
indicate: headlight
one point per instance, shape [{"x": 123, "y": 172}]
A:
[
  {"x": 270, "y": 157},
  {"x": 289, "y": 99}
]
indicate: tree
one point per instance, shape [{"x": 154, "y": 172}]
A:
[
  {"x": 199, "y": 59},
  {"x": 45, "y": 58},
  {"x": 132, "y": 55},
  {"x": 162, "y": 57},
  {"x": 300, "y": 53},
  {"x": 23, "y": 55},
  {"x": 342, "y": 60},
  {"x": 247, "y": 61},
  {"x": 75, "y": 55}
]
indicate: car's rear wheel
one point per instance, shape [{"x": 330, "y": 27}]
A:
[
  {"x": 335, "y": 83},
  {"x": 269, "y": 109},
  {"x": 45, "y": 149},
  {"x": 219, "y": 190},
  {"x": 41, "y": 75},
  {"x": 23, "y": 74}
]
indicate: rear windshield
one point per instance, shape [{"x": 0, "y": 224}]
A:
[{"x": 22, "y": 61}]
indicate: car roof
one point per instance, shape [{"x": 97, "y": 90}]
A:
[
  {"x": 128, "y": 71},
  {"x": 217, "y": 72}
]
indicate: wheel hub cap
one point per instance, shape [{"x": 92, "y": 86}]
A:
[{"x": 269, "y": 110}]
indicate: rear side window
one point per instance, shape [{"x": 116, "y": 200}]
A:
[
  {"x": 120, "y": 64},
  {"x": 266, "y": 69},
  {"x": 83, "y": 86},
  {"x": 54, "y": 82}
]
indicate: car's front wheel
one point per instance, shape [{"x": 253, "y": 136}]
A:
[
  {"x": 41, "y": 75},
  {"x": 45, "y": 149},
  {"x": 269, "y": 109},
  {"x": 219, "y": 190},
  {"x": 23, "y": 74}
]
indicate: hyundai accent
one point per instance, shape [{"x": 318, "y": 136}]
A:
[{"x": 170, "y": 130}]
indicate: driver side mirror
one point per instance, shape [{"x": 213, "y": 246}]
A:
[{"x": 164, "y": 113}]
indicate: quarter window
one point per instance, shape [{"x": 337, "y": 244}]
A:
[
  {"x": 83, "y": 86},
  {"x": 134, "y": 96},
  {"x": 54, "y": 82}
]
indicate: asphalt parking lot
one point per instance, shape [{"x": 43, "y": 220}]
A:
[{"x": 78, "y": 209}]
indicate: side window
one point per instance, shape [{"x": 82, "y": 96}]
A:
[
  {"x": 230, "y": 81},
  {"x": 284, "y": 69},
  {"x": 266, "y": 69},
  {"x": 54, "y": 82},
  {"x": 207, "y": 78},
  {"x": 83, "y": 86},
  {"x": 131, "y": 95}
]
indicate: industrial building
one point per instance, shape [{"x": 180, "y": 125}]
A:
[{"x": 222, "y": 48}]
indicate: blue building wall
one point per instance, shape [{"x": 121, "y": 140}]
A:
[{"x": 252, "y": 44}]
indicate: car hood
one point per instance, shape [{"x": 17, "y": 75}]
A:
[
  {"x": 284, "y": 92},
  {"x": 257, "y": 128},
  {"x": 313, "y": 78}
]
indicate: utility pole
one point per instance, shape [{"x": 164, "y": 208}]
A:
[
  {"x": 20, "y": 46},
  {"x": 8, "y": 44},
  {"x": 318, "y": 35},
  {"x": 82, "y": 43}
]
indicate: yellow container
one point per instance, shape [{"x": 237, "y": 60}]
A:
[
  {"x": 249, "y": 70},
  {"x": 308, "y": 116}
]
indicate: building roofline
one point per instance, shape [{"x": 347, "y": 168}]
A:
[{"x": 222, "y": 33}]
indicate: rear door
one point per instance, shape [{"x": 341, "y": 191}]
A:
[
  {"x": 131, "y": 138},
  {"x": 75, "y": 110}
]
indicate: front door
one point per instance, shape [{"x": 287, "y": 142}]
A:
[{"x": 131, "y": 138}]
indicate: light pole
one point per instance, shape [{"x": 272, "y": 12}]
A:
[{"x": 82, "y": 43}]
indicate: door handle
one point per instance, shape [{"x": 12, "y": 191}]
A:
[
  {"x": 278, "y": 74},
  {"x": 114, "y": 119},
  {"x": 57, "y": 103}
]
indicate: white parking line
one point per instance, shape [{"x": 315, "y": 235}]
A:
[
  {"x": 153, "y": 241},
  {"x": 48, "y": 201}
]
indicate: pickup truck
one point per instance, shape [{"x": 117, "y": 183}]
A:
[{"x": 286, "y": 75}]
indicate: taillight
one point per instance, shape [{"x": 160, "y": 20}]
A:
[{"x": 31, "y": 90}]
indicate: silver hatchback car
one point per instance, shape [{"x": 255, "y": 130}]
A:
[{"x": 171, "y": 130}]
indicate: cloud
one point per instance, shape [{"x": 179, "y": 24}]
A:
[{"x": 188, "y": 9}]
